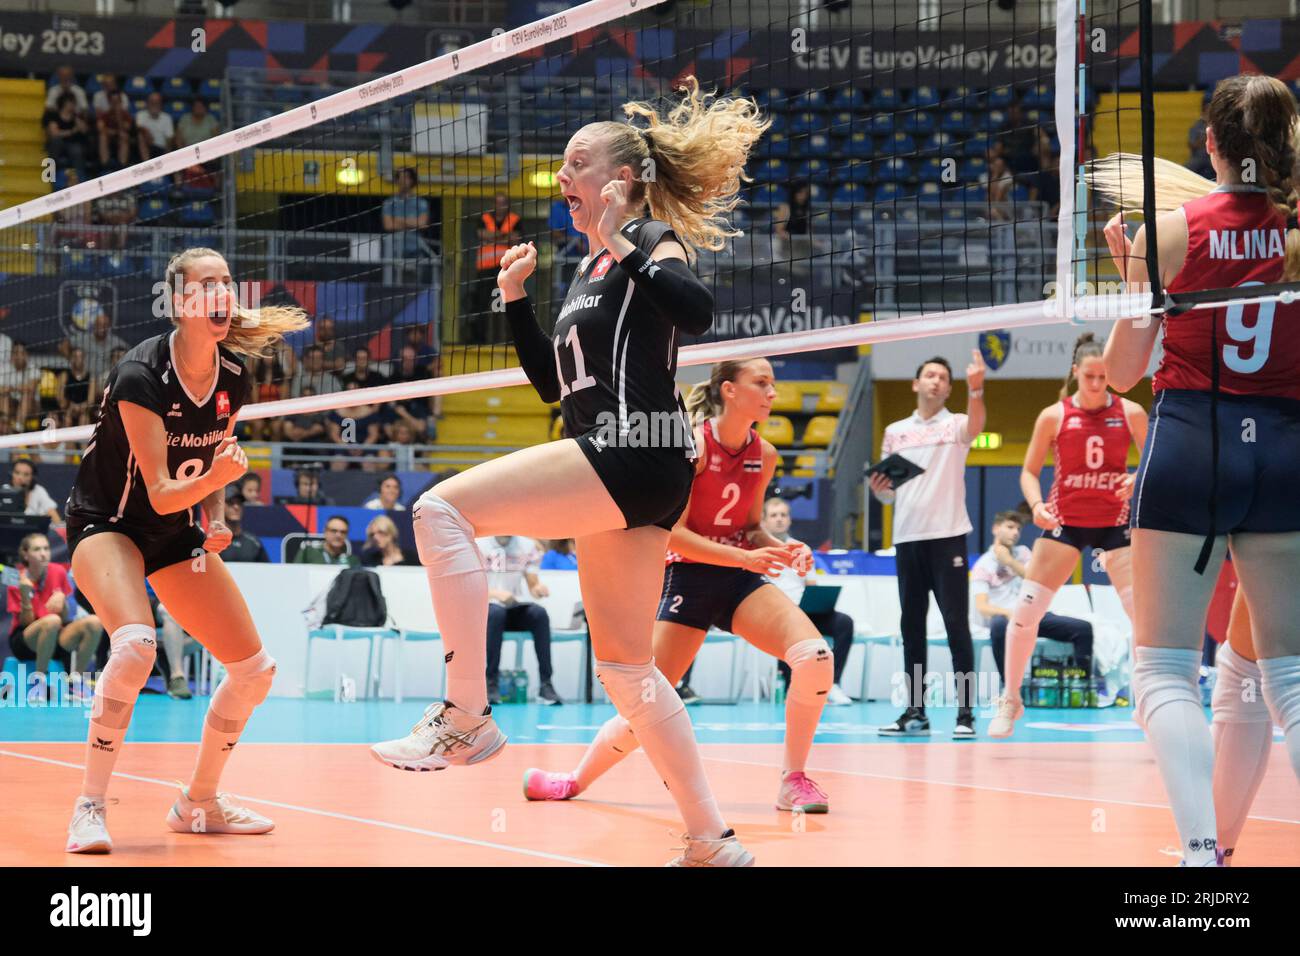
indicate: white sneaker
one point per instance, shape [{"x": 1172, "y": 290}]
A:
[
  {"x": 445, "y": 736},
  {"x": 726, "y": 851},
  {"x": 836, "y": 697},
  {"x": 87, "y": 833},
  {"x": 217, "y": 815},
  {"x": 1010, "y": 709}
]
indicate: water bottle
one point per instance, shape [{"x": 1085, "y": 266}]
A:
[
  {"x": 1208, "y": 677},
  {"x": 778, "y": 690},
  {"x": 1075, "y": 685},
  {"x": 521, "y": 687}
]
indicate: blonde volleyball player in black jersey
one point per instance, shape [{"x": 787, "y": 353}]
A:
[
  {"x": 164, "y": 444},
  {"x": 619, "y": 481}
]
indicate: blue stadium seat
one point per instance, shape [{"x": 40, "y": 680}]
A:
[
  {"x": 925, "y": 97},
  {"x": 932, "y": 169},
  {"x": 859, "y": 144},
  {"x": 779, "y": 123},
  {"x": 154, "y": 208},
  {"x": 882, "y": 124},
  {"x": 288, "y": 93},
  {"x": 887, "y": 192},
  {"x": 78, "y": 264},
  {"x": 92, "y": 85},
  {"x": 814, "y": 100},
  {"x": 1000, "y": 97},
  {"x": 930, "y": 193},
  {"x": 137, "y": 86},
  {"x": 974, "y": 168},
  {"x": 210, "y": 89},
  {"x": 197, "y": 213},
  {"x": 893, "y": 170},
  {"x": 842, "y": 123},
  {"x": 139, "y": 106},
  {"x": 772, "y": 171},
  {"x": 1041, "y": 95},
  {"x": 975, "y": 194},
  {"x": 966, "y": 98},
  {"x": 813, "y": 169},
  {"x": 919, "y": 123},
  {"x": 818, "y": 144},
  {"x": 954, "y": 213},
  {"x": 116, "y": 264},
  {"x": 801, "y": 124},
  {"x": 857, "y": 171},
  {"x": 848, "y": 98},
  {"x": 767, "y": 196},
  {"x": 154, "y": 187},
  {"x": 1020, "y": 193},
  {"x": 818, "y": 194},
  {"x": 215, "y": 110},
  {"x": 898, "y": 144},
  {"x": 994, "y": 121},
  {"x": 849, "y": 194},
  {"x": 177, "y": 87},
  {"x": 1036, "y": 116},
  {"x": 977, "y": 145},
  {"x": 885, "y": 98},
  {"x": 176, "y": 109},
  {"x": 777, "y": 144},
  {"x": 196, "y": 192},
  {"x": 955, "y": 121},
  {"x": 200, "y": 240},
  {"x": 773, "y": 98},
  {"x": 941, "y": 143}
]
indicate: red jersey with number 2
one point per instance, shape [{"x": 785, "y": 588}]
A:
[
  {"x": 1234, "y": 240},
  {"x": 1091, "y": 454},
  {"x": 724, "y": 491}
]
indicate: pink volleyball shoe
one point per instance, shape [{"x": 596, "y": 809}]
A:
[
  {"x": 544, "y": 785},
  {"x": 800, "y": 794}
]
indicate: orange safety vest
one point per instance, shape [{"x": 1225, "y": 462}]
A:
[{"x": 490, "y": 253}]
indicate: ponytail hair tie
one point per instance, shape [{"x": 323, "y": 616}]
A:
[{"x": 1292, "y": 222}]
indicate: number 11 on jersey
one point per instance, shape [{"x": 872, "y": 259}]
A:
[{"x": 579, "y": 364}]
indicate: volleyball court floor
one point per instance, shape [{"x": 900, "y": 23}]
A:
[{"x": 1073, "y": 788}]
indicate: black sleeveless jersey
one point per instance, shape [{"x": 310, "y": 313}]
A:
[
  {"x": 615, "y": 357},
  {"x": 109, "y": 486}
]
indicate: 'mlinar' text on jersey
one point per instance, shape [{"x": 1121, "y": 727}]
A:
[{"x": 1246, "y": 244}]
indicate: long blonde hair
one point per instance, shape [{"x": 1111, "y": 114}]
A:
[
  {"x": 252, "y": 331},
  {"x": 705, "y": 399},
  {"x": 1254, "y": 119},
  {"x": 688, "y": 163},
  {"x": 383, "y": 523}
]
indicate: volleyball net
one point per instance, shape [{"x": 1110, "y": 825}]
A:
[{"x": 923, "y": 175}]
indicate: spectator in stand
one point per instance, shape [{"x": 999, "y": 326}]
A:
[
  {"x": 420, "y": 337},
  {"x": 383, "y": 545},
  {"x": 418, "y": 413},
  {"x": 306, "y": 427},
  {"x": 511, "y": 562},
  {"x": 498, "y": 230},
  {"x": 401, "y": 434},
  {"x": 18, "y": 382},
  {"x": 156, "y": 132},
  {"x": 1198, "y": 160},
  {"x": 333, "y": 550},
  {"x": 833, "y": 624},
  {"x": 67, "y": 135},
  {"x": 250, "y": 489},
  {"x": 22, "y": 476},
  {"x": 1017, "y": 139},
  {"x": 313, "y": 374},
  {"x": 307, "y": 485},
  {"x": 334, "y": 354},
  {"x": 113, "y": 123},
  {"x": 67, "y": 85},
  {"x": 995, "y": 582},
  {"x": 117, "y": 210},
  {"x": 43, "y": 623},
  {"x": 76, "y": 222},
  {"x": 265, "y": 382},
  {"x": 75, "y": 390},
  {"x": 404, "y": 216},
  {"x": 359, "y": 426},
  {"x": 173, "y": 644},
  {"x": 362, "y": 374},
  {"x": 1000, "y": 184},
  {"x": 243, "y": 546},
  {"x": 1047, "y": 182},
  {"x": 196, "y": 125},
  {"x": 560, "y": 556},
  {"x": 99, "y": 343},
  {"x": 792, "y": 228},
  {"x": 388, "y": 497}
]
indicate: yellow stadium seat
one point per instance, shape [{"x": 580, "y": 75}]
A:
[
  {"x": 832, "y": 397},
  {"x": 805, "y": 466},
  {"x": 778, "y": 429},
  {"x": 517, "y": 400},
  {"x": 557, "y": 428},
  {"x": 820, "y": 430},
  {"x": 502, "y": 430},
  {"x": 788, "y": 398}
]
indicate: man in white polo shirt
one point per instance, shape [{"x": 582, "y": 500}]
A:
[{"x": 930, "y": 528}]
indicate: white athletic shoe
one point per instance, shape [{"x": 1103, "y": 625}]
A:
[
  {"x": 1010, "y": 709},
  {"x": 445, "y": 736},
  {"x": 836, "y": 697},
  {"x": 726, "y": 851},
  {"x": 217, "y": 815},
  {"x": 87, "y": 833}
]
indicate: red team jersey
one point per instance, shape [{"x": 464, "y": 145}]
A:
[
  {"x": 724, "y": 491},
  {"x": 1091, "y": 454},
  {"x": 1234, "y": 239}
]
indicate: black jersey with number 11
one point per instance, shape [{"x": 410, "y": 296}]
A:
[{"x": 109, "y": 486}]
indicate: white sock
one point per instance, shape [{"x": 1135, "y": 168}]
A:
[
  {"x": 1282, "y": 691},
  {"x": 1022, "y": 632},
  {"x": 1243, "y": 736},
  {"x": 130, "y": 662},
  {"x": 613, "y": 742},
  {"x": 246, "y": 685},
  {"x": 812, "y": 671},
  {"x": 458, "y": 585},
  {"x": 1168, "y": 706},
  {"x": 658, "y": 718}
]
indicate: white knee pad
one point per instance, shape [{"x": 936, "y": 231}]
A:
[
  {"x": 246, "y": 685},
  {"x": 1034, "y": 599},
  {"x": 1281, "y": 679},
  {"x": 641, "y": 695},
  {"x": 812, "y": 671},
  {"x": 134, "y": 650},
  {"x": 444, "y": 539},
  {"x": 1238, "y": 696},
  {"x": 1162, "y": 676}
]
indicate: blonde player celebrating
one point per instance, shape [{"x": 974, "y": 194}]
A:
[
  {"x": 617, "y": 484},
  {"x": 163, "y": 445},
  {"x": 1089, "y": 433},
  {"x": 1230, "y": 377},
  {"x": 717, "y": 560}
]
